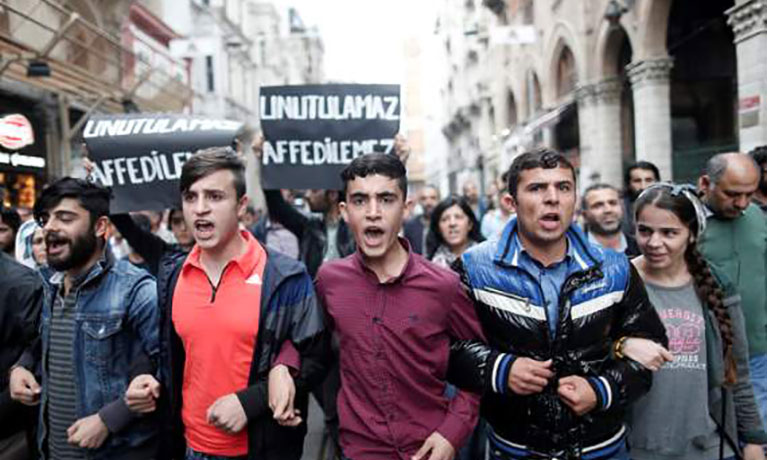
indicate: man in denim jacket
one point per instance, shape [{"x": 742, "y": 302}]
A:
[{"x": 99, "y": 318}]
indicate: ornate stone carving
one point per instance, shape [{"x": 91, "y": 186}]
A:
[
  {"x": 608, "y": 91},
  {"x": 748, "y": 19},
  {"x": 649, "y": 71}
]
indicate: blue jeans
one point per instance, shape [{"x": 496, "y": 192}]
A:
[
  {"x": 758, "y": 367},
  {"x": 192, "y": 454}
]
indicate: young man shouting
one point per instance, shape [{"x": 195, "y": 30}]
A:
[
  {"x": 227, "y": 309},
  {"x": 395, "y": 316}
]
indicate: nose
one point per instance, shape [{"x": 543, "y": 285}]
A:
[
  {"x": 551, "y": 196},
  {"x": 200, "y": 206},
  {"x": 741, "y": 202},
  {"x": 373, "y": 210},
  {"x": 654, "y": 240}
]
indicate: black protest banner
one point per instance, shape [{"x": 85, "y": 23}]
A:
[
  {"x": 313, "y": 131},
  {"x": 140, "y": 155}
]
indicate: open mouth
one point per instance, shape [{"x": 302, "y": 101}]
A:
[
  {"x": 203, "y": 228},
  {"x": 55, "y": 245},
  {"x": 550, "y": 221},
  {"x": 373, "y": 236}
]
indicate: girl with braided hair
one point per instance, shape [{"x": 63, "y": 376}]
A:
[{"x": 680, "y": 418}]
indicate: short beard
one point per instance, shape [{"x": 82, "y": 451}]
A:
[
  {"x": 599, "y": 230},
  {"x": 80, "y": 252}
]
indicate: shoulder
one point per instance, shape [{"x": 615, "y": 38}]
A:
[
  {"x": 338, "y": 268},
  {"x": 439, "y": 275},
  {"x": 126, "y": 271}
]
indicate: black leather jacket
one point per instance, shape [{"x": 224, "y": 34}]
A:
[
  {"x": 602, "y": 299},
  {"x": 310, "y": 231}
]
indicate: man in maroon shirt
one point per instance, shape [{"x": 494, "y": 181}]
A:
[{"x": 395, "y": 315}]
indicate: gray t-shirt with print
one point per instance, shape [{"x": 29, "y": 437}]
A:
[{"x": 672, "y": 420}]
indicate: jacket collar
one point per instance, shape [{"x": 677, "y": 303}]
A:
[{"x": 509, "y": 247}]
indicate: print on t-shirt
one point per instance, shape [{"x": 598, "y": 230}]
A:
[{"x": 685, "y": 330}]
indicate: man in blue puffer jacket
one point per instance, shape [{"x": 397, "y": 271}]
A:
[{"x": 555, "y": 310}]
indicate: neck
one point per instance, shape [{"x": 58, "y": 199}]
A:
[
  {"x": 547, "y": 253},
  {"x": 674, "y": 275},
  {"x": 390, "y": 265},
  {"x": 76, "y": 272},
  {"x": 459, "y": 249},
  {"x": 612, "y": 241},
  {"x": 215, "y": 259}
]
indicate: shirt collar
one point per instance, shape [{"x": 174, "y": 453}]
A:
[
  {"x": 246, "y": 262},
  {"x": 405, "y": 271},
  {"x": 569, "y": 253}
]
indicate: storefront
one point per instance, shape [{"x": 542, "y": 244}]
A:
[{"x": 22, "y": 151}]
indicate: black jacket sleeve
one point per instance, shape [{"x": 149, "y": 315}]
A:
[
  {"x": 310, "y": 338},
  {"x": 283, "y": 212},
  {"x": 636, "y": 317},
  {"x": 471, "y": 362},
  {"x": 148, "y": 245}
]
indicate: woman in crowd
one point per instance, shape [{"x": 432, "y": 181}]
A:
[
  {"x": 680, "y": 418},
  {"x": 453, "y": 229}
]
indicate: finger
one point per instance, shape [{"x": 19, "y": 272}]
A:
[
  {"x": 666, "y": 355},
  {"x": 425, "y": 448},
  {"x": 281, "y": 408},
  {"x": 532, "y": 380},
  {"x": 541, "y": 372},
  {"x": 546, "y": 364},
  {"x": 154, "y": 388},
  {"x": 293, "y": 422}
]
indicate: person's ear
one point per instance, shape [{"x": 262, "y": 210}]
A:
[
  {"x": 344, "y": 211},
  {"x": 102, "y": 227}
]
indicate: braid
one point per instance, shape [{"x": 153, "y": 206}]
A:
[{"x": 712, "y": 296}]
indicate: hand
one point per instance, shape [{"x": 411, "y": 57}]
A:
[
  {"x": 753, "y": 452},
  {"x": 647, "y": 353},
  {"x": 227, "y": 414},
  {"x": 257, "y": 146},
  {"x": 577, "y": 393},
  {"x": 440, "y": 449},
  {"x": 142, "y": 394},
  {"x": 529, "y": 376},
  {"x": 282, "y": 393},
  {"x": 24, "y": 387},
  {"x": 402, "y": 148},
  {"x": 88, "y": 433}
]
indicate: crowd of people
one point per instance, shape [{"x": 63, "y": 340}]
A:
[{"x": 624, "y": 322}]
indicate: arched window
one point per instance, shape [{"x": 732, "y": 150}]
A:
[{"x": 566, "y": 76}]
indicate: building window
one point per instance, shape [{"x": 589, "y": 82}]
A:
[
  {"x": 209, "y": 73},
  {"x": 566, "y": 76}
]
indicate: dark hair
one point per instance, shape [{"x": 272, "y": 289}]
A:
[
  {"x": 593, "y": 187},
  {"x": 706, "y": 286},
  {"x": 208, "y": 161},
  {"x": 384, "y": 164},
  {"x": 646, "y": 165},
  {"x": 542, "y": 158},
  {"x": 93, "y": 197},
  {"x": 759, "y": 154},
  {"x": 11, "y": 217},
  {"x": 172, "y": 211},
  {"x": 250, "y": 210},
  {"x": 434, "y": 238}
]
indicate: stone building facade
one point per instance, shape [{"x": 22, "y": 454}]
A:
[{"x": 607, "y": 82}]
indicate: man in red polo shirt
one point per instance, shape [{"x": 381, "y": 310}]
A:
[
  {"x": 395, "y": 315},
  {"x": 228, "y": 308}
]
